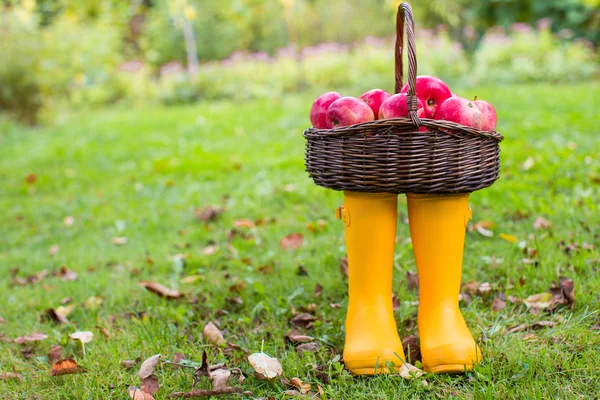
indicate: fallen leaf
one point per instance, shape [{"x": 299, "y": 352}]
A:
[
  {"x": 210, "y": 249},
  {"x": 4, "y": 376},
  {"x": 238, "y": 286},
  {"x": 530, "y": 336},
  {"x": 396, "y": 302},
  {"x": 30, "y": 178},
  {"x": 527, "y": 164},
  {"x": 68, "y": 220},
  {"x": 564, "y": 293},
  {"x": 484, "y": 232},
  {"x": 498, "y": 304},
  {"x": 318, "y": 290},
  {"x": 243, "y": 223},
  {"x": 540, "y": 301},
  {"x": 407, "y": 371},
  {"x": 93, "y": 302},
  {"x": 291, "y": 241},
  {"x": 307, "y": 348},
  {"x": 304, "y": 387},
  {"x": 542, "y": 324},
  {"x": 412, "y": 348},
  {"x": 118, "y": 241},
  {"x": 55, "y": 354},
  {"x": 34, "y": 337},
  {"x": 265, "y": 367},
  {"x": 31, "y": 279},
  {"x": 128, "y": 364},
  {"x": 57, "y": 315},
  {"x": 294, "y": 336},
  {"x": 161, "y": 290},
  {"x": 2, "y": 320},
  {"x": 138, "y": 394},
  {"x": 53, "y": 250},
  {"x": 541, "y": 223},
  {"x": 103, "y": 331},
  {"x": 147, "y": 367},
  {"x": 508, "y": 238},
  {"x": 412, "y": 280},
  {"x": 301, "y": 271},
  {"x": 150, "y": 385},
  {"x": 66, "y": 367},
  {"x": 305, "y": 320},
  {"x": 518, "y": 328},
  {"x": 208, "y": 213},
  {"x": 212, "y": 334},
  {"x": 208, "y": 393},
  {"x": 481, "y": 224},
  {"x": 218, "y": 378},
  {"x": 66, "y": 274},
  {"x": 344, "y": 266}
]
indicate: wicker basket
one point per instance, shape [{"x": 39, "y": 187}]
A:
[{"x": 394, "y": 156}]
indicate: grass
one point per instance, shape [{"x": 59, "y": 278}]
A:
[{"x": 141, "y": 173}]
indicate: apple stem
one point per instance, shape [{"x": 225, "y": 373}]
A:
[{"x": 475, "y": 98}]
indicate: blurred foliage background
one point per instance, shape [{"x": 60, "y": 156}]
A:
[{"x": 57, "y": 54}]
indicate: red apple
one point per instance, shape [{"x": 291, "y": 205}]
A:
[
  {"x": 374, "y": 98},
  {"x": 431, "y": 91},
  {"x": 461, "y": 111},
  {"x": 488, "y": 114},
  {"x": 348, "y": 111},
  {"x": 396, "y": 107},
  {"x": 318, "y": 111}
]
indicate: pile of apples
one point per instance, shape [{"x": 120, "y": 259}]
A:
[{"x": 434, "y": 100}]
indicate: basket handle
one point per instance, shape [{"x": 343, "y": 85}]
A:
[{"x": 405, "y": 15}]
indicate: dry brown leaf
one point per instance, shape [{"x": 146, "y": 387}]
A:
[
  {"x": 147, "y": 367},
  {"x": 305, "y": 320},
  {"x": 30, "y": 178},
  {"x": 318, "y": 290},
  {"x": 540, "y": 301},
  {"x": 161, "y": 290},
  {"x": 2, "y": 320},
  {"x": 303, "y": 387},
  {"x": 218, "y": 378},
  {"x": 33, "y": 337},
  {"x": 118, "y": 241},
  {"x": 291, "y": 241},
  {"x": 265, "y": 367},
  {"x": 344, "y": 266},
  {"x": 66, "y": 274},
  {"x": 543, "y": 324},
  {"x": 311, "y": 347},
  {"x": 407, "y": 371},
  {"x": 243, "y": 223},
  {"x": 53, "y": 250},
  {"x": 103, "y": 331},
  {"x": 294, "y": 336},
  {"x": 481, "y": 224},
  {"x": 56, "y": 315},
  {"x": 210, "y": 249},
  {"x": 541, "y": 223},
  {"x": 55, "y": 354},
  {"x": 128, "y": 364},
  {"x": 208, "y": 213},
  {"x": 412, "y": 280},
  {"x": 138, "y": 394},
  {"x": 66, "y": 367},
  {"x": 484, "y": 232},
  {"x": 238, "y": 286},
  {"x": 93, "y": 302},
  {"x": 208, "y": 393},
  {"x": 519, "y": 328},
  {"x": 212, "y": 334},
  {"x": 498, "y": 304},
  {"x": 150, "y": 385},
  {"x": 4, "y": 376},
  {"x": 412, "y": 348}
]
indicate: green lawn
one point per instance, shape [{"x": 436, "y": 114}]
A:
[{"x": 140, "y": 174}]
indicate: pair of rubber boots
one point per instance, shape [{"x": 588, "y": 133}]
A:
[{"x": 437, "y": 227}]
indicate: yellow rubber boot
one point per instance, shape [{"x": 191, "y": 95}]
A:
[
  {"x": 437, "y": 228},
  {"x": 371, "y": 333}
]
